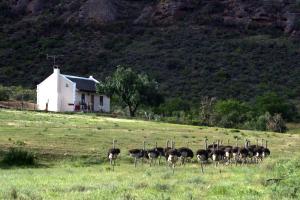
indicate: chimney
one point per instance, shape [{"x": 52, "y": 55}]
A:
[{"x": 56, "y": 70}]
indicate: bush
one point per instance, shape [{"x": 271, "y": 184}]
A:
[
  {"x": 4, "y": 94},
  {"x": 231, "y": 113},
  {"x": 273, "y": 103},
  {"x": 173, "y": 107},
  {"x": 18, "y": 157}
]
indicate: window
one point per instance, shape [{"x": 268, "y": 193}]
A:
[
  {"x": 83, "y": 98},
  {"x": 101, "y": 100},
  {"x": 67, "y": 85}
]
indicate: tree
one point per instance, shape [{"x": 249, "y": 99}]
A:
[
  {"x": 206, "y": 110},
  {"x": 131, "y": 89},
  {"x": 173, "y": 106},
  {"x": 273, "y": 103},
  {"x": 275, "y": 123},
  {"x": 231, "y": 113}
]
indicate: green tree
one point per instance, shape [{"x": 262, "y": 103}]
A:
[
  {"x": 172, "y": 106},
  {"x": 231, "y": 113},
  {"x": 273, "y": 103},
  {"x": 131, "y": 89}
]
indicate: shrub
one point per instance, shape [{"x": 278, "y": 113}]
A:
[
  {"x": 273, "y": 103},
  {"x": 231, "y": 113},
  {"x": 18, "y": 157},
  {"x": 4, "y": 94}
]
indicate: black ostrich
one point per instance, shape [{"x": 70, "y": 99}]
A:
[
  {"x": 235, "y": 152},
  {"x": 212, "y": 146},
  {"x": 228, "y": 152},
  {"x": 217, "y": 155},
  {"x": 185, "y": 153},
  {"x": 202, "y": 155},
  {"x": 257, "y": 152},
  {"x": 138, "y": 153},
  {"x": 113, "y": 154},
  {"x": 173, "y": 155},
  {"x": 161, "y": 152},
  {"x": 153, "y": 155},
  {"x": 244, "y": 152},
  {"x": 251, "y": 150},
  {"x": 266, "y": 152},
  {"x": 166, "y": 150}
]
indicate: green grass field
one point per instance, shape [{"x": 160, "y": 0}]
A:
[{"x": 71, "y": 152}]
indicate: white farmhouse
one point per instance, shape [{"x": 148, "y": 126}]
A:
[{"x": 65, "y": 93}]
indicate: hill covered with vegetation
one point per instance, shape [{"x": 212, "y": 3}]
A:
[{"x": 221, "y": 48}]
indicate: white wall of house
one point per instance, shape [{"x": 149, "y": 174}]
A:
[
  {"x": 61, "y": 95},
  {"x": 103, "y": 106},
  {"x": 47, "y": 93},
  {"x": 66, "y": 95},
  {"x": 57, "y": 91}
]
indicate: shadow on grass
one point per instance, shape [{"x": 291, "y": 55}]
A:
[{"x": 12, "y": 166}]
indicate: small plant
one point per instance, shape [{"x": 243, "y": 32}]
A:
[
  {"x": 161, "y": 187},
  {"x": 14, "y": 194},
  {"x": 19, "y": 143},
  {"x": 18, "y": 157}
]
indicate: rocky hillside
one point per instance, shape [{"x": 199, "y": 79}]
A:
[{"x": 224, "y": 48}]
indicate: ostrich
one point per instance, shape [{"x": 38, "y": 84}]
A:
[
  {"x": 251, "y": 150},
  {"x": 235, "y": 152},
  {"x": 202, "y": 155},
  {"x": 173, "y": 155},
  {"x": 217, "y": 154},
  {"x": 138, "y": 153},
  {"x": 166, "y": 150},
  {"x": 113, "y": 154},
  {"x": 212, "y": 146},
  {"x": 227, "y": 151},
  {"x": 161, "y": 152},
  {"x": 266, "y": 152},
  {"x": 228, "y": 154},
  {"x": 185, "y": 153},
  {"x": 257, "y": 150},
  {"x": 153, "y": 154},
  {"x": 244, "y": 152}
]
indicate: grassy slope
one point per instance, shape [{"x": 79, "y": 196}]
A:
[{"x": 83, "y": 140}]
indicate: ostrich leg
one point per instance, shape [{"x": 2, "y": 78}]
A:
[
  {"x": 201, "y": 165},
  {"x": 159, "y": 160},
  {"x": 135, "y": 161},
  {"x": 173, "y": 167}
]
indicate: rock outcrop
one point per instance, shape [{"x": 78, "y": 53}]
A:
[
  {"x": 99, "y": 11},
  {"x": 28, "y": 6},
  {"x": 283, "y": 14},
  {"x": 165, "y": 12}
]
